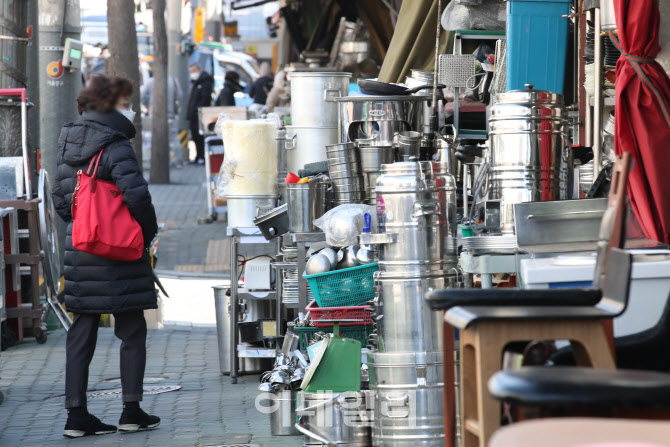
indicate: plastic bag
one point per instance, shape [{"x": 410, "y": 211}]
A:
[
  {"x": 250, "y": 156},
  {"x": 491, "y": 15},
  {"x": 345, "y": 223}
]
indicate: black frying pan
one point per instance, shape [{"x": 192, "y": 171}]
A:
[{"x": 379, "y": 88}]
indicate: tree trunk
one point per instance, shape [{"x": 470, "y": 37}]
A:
[
  {"x": 123, "y": 59},
  {"x": 160, "y": 132}
]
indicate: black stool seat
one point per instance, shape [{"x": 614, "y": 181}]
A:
[{"x": 564, "y": 386}]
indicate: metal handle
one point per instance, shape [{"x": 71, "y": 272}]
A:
[
  {"x": 378, "y": 238},
  {"x": 423, "y": 171},
  {"x": 404, "y": 399},
  {"x": 425, "y": 209},
  {"x": 319, "y": 404},
  {"x": 289, "y": 142},
  {"x": 331, "y": 92},
  {"x": 313, "y": 435}
]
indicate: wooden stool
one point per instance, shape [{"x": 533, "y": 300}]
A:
[{"x": 482, "y": 346}]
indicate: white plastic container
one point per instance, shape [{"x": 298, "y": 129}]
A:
[{"x": 649, "y": 291}]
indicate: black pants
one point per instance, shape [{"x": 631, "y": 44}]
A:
[
  {"x": 131, "y": 328},
  {"x": 199, "y": 140}
]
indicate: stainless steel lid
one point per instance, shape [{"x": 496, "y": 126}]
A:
[
  {"x": 530, "y": 96},
  {"x": 366, "y": 98},
  {"x": 316, "y": 74}
]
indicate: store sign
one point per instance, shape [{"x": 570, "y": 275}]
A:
[
  {"x": 251, "y": 50},
  {"x": 199, "y": 26}
]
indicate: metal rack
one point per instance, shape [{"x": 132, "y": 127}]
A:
[{"x": 246, "y": 236}]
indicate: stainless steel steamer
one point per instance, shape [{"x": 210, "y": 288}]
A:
[{"x": 529, "y": 150}]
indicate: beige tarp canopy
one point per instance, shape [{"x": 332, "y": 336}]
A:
[{"x": 413, "y": 43}]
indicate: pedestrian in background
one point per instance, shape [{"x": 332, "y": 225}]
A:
[
  {"x": 260, "y": 89},
  {"x": 279, "y": 95},
  {"x": 95, "y": 285},
  {"x": 202, "y": 86},
  {"x": 230, "y": 87},
  {"x": 174, "y": 93}
]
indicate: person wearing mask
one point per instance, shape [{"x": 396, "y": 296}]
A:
[
  {"x": 278, "y": 95},
  {"x": 202, "y": 86},
  {"x": 95, "y": 285},
  {"x": 174, "y": 93},
  {"x": 260, "y": 88},
  {"x": 230, "y": 87}
]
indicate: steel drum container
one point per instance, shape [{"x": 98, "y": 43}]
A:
[
  {"x": 417, "y": 201},
  {"x": 408, "y": 398},
  {"x": 529, "y": 150},
  {"x": 378, "y": 118},
  {"x": 314, "y": 115}
]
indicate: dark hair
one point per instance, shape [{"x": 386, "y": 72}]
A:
[
  {"x": 102, "y": 93},
  {"x": 232, "y": 76}
]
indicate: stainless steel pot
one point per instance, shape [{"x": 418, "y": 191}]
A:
[
  {"x": 373, "y": 157},
  {"x": 529, "y": 150},
  {"x": 242, "y": 210},
  {"x": 408, "y": 391},
  {"x": 306, "y": 202},
  {"x": 379, "y": 118},
  {"x": 334, "y": 418},
  {"x": 282, "y": 419},
  {"x": 408, "y": 145},
  {"x": 308, "y": 145},
  {"x": 313, "y": 95},
  {"x": 417, "y": 202},
  {"x": 408, "y": 324}
]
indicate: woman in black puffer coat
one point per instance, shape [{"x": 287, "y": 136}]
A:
[{"x": 96, "y": 285}]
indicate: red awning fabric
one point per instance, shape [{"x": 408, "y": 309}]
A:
[{"x": 643, "y": 114}]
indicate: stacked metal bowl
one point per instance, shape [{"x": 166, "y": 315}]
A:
[
  {"x": 344, "y": 166},
  {"x": 372, "y": 159}
]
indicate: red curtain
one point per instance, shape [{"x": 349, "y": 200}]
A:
[{"x": 643, "y": 114}]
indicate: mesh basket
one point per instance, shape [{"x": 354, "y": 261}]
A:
[
  {"x": 327, "y": 316},
  {"x": 457, "y": 70},
  {"x": 360, "y": 333},
  {"x": 346, "y": 287},
  {"x": 499, "y": 82}
]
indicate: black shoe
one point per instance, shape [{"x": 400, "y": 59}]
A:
[
  {"x": 87, "y": 426},
  {"x": 134, "y": 419}
]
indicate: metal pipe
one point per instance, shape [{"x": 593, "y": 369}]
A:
[
  {"x": 598, "y": 97},
  {"x": 233, "y": 309}
]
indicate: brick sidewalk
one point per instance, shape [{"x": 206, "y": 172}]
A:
[{"x": 207, "y": 411}]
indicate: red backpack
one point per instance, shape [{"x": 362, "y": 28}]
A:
[{"x": 102, "y": 224}]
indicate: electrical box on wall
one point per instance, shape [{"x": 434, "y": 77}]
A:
[{"x": 73, "y": 53}]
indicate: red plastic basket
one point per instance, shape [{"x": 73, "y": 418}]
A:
[{"x": 359, "y": 313}]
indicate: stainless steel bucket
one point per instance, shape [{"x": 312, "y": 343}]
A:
[
  {"x": 529, "y": 150},
  {"x": 282, "y": 413},
  {"x": 242, "y": 210},
  {"x": 373, "y": 157},
  {"x": 341, "y": 419},
  {"x": 417, "y": 202},
  {"x": 306, "y": 202},
  {"x": 408, "y": 391},
  {"x": 408, "y": 145},
  {"x": 308, "y": 145}
]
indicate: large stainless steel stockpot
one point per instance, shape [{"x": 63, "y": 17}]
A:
[
  {"x": 529, "y": 150},
  {"x": 408, "y": 398},
  {"x": 417, "y": 202},
  {"x": 378, "y": 118},
  {"x": 313, "y": 95}
]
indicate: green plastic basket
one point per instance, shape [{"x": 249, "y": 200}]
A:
[
  {"x": 360, "y": 333},
  {"x": 346, "y": 287}
]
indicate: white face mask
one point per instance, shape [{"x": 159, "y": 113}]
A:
[
  {"x": 195, "y": 76},
  {"x": 128, "y": 113}
]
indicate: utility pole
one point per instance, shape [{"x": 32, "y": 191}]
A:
[
  {"x": 58, "y": 89},
  {"x": 178, "y": 64},
  {"x": 160, "y": 133}
]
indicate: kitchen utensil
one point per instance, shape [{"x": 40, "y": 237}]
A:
[
  {"x": 292, "y": 178},
  {"x": 348, "y": 258},
  {"x": 332, "y": 257},
  {"x": 371, "y": 87},
  {"x": 319, "y": 263}
]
